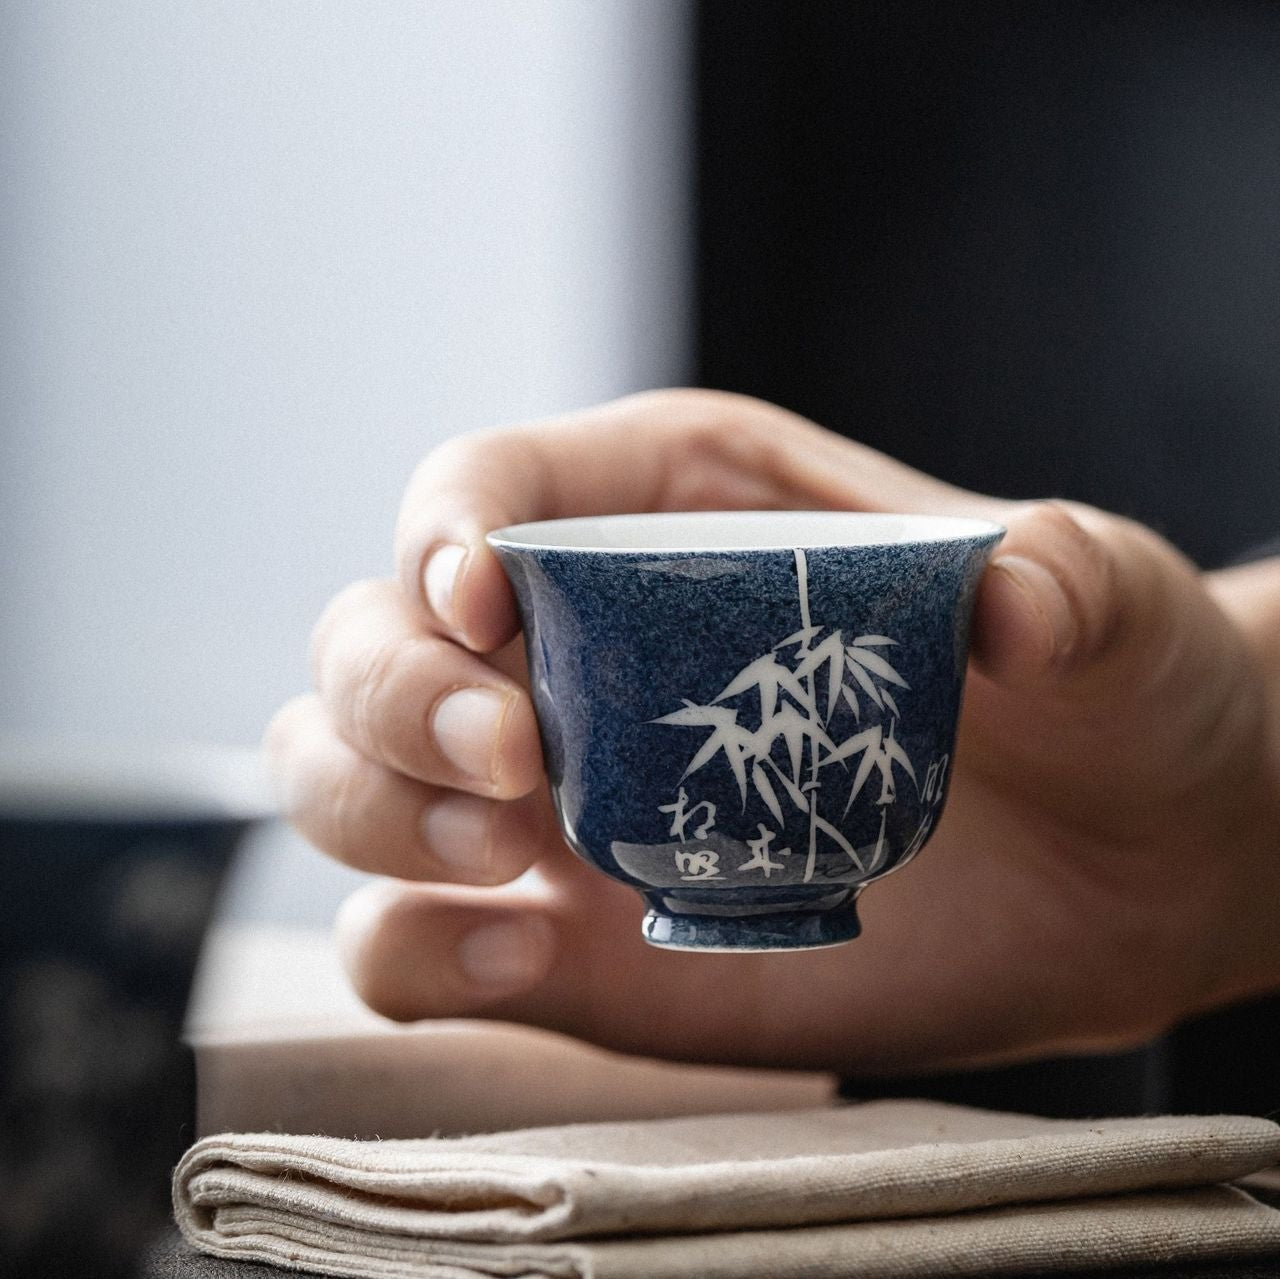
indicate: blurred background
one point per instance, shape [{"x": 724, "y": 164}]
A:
[{"x": 257, "y": 259}]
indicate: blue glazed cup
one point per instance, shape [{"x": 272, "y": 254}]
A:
[{"x": 747, "y": 716}]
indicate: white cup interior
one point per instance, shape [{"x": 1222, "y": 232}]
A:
[
  {"x": 130, "y": 782},
  {"x": 739, "y": 531}
]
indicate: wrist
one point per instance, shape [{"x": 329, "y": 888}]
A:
[{"x": 1249, "y": 595}]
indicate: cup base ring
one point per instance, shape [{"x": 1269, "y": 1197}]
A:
[{"x": 784, "y": 930}]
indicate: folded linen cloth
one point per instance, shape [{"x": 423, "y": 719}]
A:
[{"x": 878, "y": 1189}]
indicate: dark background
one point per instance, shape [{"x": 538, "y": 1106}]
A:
[{"x": 1033, "y": 249}]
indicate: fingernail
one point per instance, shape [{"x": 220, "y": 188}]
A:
[
  {"x": 467, "y": 725},
  {"x": 440, "y": 578},
  {"x": 508, "y": 954},
  {"x": 1045, "y": 593},
  {"x": 456, "y": 830}
]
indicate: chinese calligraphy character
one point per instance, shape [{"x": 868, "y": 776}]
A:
[
  {"x": 682, "y": 816},
  {"x": 759, "y": 847},
  {"x": 934, "y": 779},
  {"x": 701, "y": 863}
]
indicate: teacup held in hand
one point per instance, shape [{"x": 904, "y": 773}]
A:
[{"x": 747, "y": 716}]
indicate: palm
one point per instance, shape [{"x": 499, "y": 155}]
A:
[{"x": 1028, "y": 922}]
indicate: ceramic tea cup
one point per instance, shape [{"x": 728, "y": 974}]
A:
[{"x": 747, "y": 716}]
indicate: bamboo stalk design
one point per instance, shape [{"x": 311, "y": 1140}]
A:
[{"x": 790, "y": 684}]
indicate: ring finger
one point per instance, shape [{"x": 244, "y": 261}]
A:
[{"x": 376, "y": 819}]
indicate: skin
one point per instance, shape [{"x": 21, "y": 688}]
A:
[{"x": 1108, "y": 863}]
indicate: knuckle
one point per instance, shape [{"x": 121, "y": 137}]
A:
[
  {"x": 459, "y": 450},
  {"x": 1052, "y": 519},
  {"x": 437, "y": 496},
  {"x": 719, "y": 416},
  {"x": 712, "y": 420},
  {"x": 367, "y": 687},
  {"x": 358, "y": 928},
  {"x": 351, "y": 600},
  {"x": 376, "y": 987},
  {"x": 685, "y": 403},
  {"x": 454, "y": 459},
  {"x": 284, "y": 726},
  {"x": 517, "y": 839},
  {"x": 344, "y": 824},
  {"x": 378, "y": 924},
  {"x": 704, "y": 438},
  {"x": 730, "y": 441},
  {"x": 1078, "y": 543}
]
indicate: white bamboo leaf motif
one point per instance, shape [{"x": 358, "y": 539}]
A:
[
  {"x": 830, "y": 831},
  {"x": 852, "y": 698},
  {"x": 792, "y": 727},
  {"x": 766, "y": 792},
  {"x": 794, "y": 793},
  {"x": 896, "y": 755},
  {"x": 819, "y": 734},
  {"x": 869, "y": 738},
  {"x": 877, "y": 665},
  {"x": 736, "y": 752},
  {"x": 693, "y": 714},
  {"x": 830, "y": 653},
  {"x": 869, "y": 757},
  {"x": 881, "y": 851},
  {"x": 706, "y": 753},
  {"x": 865, "y": 682},
  {"x": 835, "y": 678},
  {"x": 922, "y": 833},
  {"x": 802, "y": 636},
  {"x": 767, "y": 676},
  {"x": 727, "y": 736},
  {"x": 874, "y": 639},
  {"x": 889, "y": 702}
]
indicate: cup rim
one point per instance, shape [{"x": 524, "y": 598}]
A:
[
  {"x": 698, "y": 532},
  {"x": 79, "y": 780}
]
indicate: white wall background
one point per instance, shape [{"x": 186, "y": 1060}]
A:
[{"x": 256, "y": 259}]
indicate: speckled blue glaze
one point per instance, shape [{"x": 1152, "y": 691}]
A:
[{"x": 747, "y": 736}]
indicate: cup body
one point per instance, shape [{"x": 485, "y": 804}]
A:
[
  {"x": 747, "y": 716},
  {"x": 110, "y": 863}
]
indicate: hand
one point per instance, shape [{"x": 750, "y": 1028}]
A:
[{"x": 1105, "y": 866}]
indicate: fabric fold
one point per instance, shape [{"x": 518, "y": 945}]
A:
[{"x": 797, "y": 1189}]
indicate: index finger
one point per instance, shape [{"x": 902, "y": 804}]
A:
[
  {"x": 666, "y": 450},
  {"x": 479, "y": 482}
]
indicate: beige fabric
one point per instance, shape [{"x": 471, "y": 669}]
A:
[{"x": 867, "y": 1190}]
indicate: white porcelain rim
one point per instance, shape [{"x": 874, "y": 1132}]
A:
[{"x": 697, "y": 532}]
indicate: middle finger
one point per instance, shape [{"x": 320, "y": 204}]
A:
[{"x": 419, "y": 703}]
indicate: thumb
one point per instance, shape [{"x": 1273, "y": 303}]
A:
[
  {"x": 1078, "y": 595},
  {"x": 1096, "y": 643}
]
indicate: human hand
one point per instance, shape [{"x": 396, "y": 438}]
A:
[{"x": 1104, "y": 868}]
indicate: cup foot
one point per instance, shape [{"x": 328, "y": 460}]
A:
[{"x": 785, "y": 930}]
